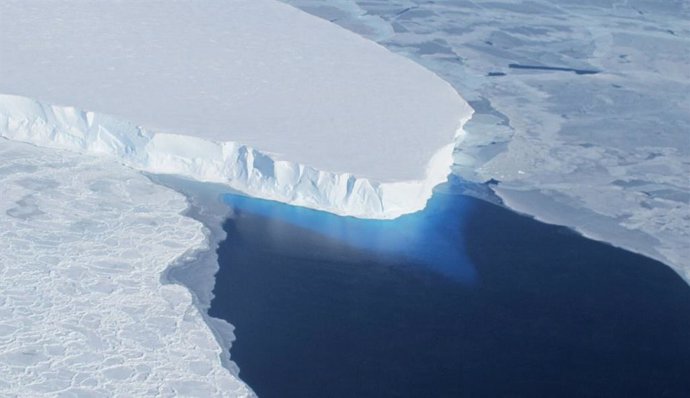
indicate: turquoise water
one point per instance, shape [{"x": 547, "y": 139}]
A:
[
  {"x": 465, "y": 299},
  {"x": 421, "y": 239}
]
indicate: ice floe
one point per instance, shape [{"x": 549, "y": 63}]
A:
[{"x": 83, "y": 309}]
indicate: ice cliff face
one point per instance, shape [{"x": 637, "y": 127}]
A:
[
  {"x": 283, "y": 105},
  {"x": 239, "y": 166}
]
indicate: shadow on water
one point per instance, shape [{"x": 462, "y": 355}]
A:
[{"x": 465, "y": 299}]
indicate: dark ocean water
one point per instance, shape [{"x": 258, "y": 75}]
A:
[{"x": 465, "y": 299}]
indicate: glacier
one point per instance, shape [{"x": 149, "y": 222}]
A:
[{"x": 256, "y": 94}]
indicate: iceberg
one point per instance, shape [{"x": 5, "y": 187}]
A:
[{"x": 257, "y": 95}]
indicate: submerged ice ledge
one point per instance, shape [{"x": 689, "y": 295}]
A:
[{"x": 239, "y": 166}]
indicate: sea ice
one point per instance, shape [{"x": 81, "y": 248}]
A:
[{"x": 83, "y": 309}]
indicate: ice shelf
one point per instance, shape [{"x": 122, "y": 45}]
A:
[{"x": 256, "y": 94}]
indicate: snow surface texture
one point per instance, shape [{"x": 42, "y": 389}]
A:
[
  {"x": 83, "y": 309},
  {"x": 597, "y": 137},
  {"x": 281, "y": 105}
]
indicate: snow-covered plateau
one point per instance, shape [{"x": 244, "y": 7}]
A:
[
  {"x": 84, "y": 311},
  {"x": 256, "y": 94}
]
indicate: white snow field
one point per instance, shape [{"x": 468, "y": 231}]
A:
[
  {"x": 83, "y": 309},
  {"x": 252, "y": 93},
  {"x": 606, "y": 151}
]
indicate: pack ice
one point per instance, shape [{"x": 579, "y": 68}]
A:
[
  {"x": 254, "y": 94},
  {"x": 83, "y": 310}
]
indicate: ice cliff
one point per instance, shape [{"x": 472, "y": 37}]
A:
[
  {"x": 254, "y": 94},
  {"x": 239, "y": 166}
]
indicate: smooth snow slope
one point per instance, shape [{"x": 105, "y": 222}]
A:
[
  {"x": 83, "y": 310},
  {"x": 258, "y": 73}
]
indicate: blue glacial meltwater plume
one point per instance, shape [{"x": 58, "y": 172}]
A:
[{"x": 431, "y": 238}]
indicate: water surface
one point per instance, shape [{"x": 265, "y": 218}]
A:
[{"x": 465, "y": 299}]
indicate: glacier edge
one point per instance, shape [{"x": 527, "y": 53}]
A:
[{"x": 241, "y": 167}]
